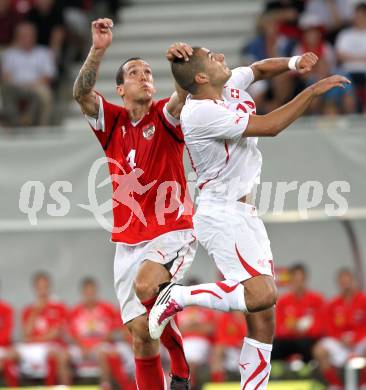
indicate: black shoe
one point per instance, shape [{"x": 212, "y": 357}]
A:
[{"x": 178, "y": 383}]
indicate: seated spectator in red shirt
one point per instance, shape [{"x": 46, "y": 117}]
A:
[
  {"x": 9, "y": 19},
  {"x": 26, "y": 74},
  {"x": 299, "y": 318},
  {"x": 228, "y": 342},
  {"x": 269, "y": 43},
  {"x": 92, "y": 325},
  {"x": 6, "y": 330},
  {"x": 43, "y": 325},
  {"x": 197, "y": 326},
  {"x": 345, "y": 319}
]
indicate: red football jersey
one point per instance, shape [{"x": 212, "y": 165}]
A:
[
  {"x": 347, "y": 318},
  {"x": 231, "y": 329},
  {"x": 6, "y": 324},
  {"x": 150, "y": 195},
  {"x": 52, "y": 316},
  {"x": 300, "y": 316},
  {"x": 193, "y": 322},
  {"x": 91, "y": 326}
]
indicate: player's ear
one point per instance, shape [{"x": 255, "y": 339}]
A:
[
  {"x": 201, "y": 78},
  {"x": 120, "y": 90}
]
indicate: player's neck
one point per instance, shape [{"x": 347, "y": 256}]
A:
[
  {"x": 137, "y": 110},
  {"x": 209, "y": 92}
]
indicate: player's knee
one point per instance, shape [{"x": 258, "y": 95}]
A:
[
  {"x": 144, "y": 290},
  {"x": 319, "y": 352},
  {"x": 141, "y": 340},
  {"x": 260, "y": 293}
]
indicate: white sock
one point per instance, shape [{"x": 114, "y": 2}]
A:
[
  {"x": 255, "y": 366},
  {"x": 224, "y": 296}
]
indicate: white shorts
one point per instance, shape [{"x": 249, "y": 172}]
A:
[
  {"x": 339, "y": 353},
  {"x": 174, "y": 250},
  {"x": 33, "y": 358},
  {"x": 197, "y": 350},
  {"x": 236, "y": 238}
]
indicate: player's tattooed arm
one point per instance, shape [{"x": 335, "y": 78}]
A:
[
  {"x": 272, "y": 67},
  {"x": 178, "y": 98},
  {"x": 83, "y": 87}
]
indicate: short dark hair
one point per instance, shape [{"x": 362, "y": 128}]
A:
[
  {"x": 298, "y": 267},
  {"x": 88, "y": 281},
  {"x": 185, "y": 72},
  {"x": 120, "y": 79},
  {"x": 361, "y": 6},
  {"x": 41, "y": 275}
]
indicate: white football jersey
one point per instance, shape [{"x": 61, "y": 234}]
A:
[{"x": 227, "y": 164}]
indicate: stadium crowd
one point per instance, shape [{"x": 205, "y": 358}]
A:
[
  {"x": 335, "y": 30},
  {"x": 64, "y": 345},
  {"x": 39, "y": 41}
]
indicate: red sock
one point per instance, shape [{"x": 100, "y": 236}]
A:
[
  {"x": 150, "y": 374},
  {"x": 51, "y": 378},
  {"x": 363, "y": 377},
  {"x": 118, "y": 372},
  {"x": 218, "y": 376},
  {"x": 331, "y": 376},
  {"x": 10, "y": 373},
  {"x": 172, "y": 341}
]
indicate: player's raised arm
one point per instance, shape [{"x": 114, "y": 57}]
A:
[
  {"x": 178, "y": 98},
  {"x": 272, "y": 124},
  {"x": 83, "y": 87},
  {"x": 272, "y": 67}
]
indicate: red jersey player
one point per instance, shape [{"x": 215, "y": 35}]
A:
[
  {"x": 345, "y": 319},
  {"x": 6, "y": 330},
  {"x": 43, "y": 325},
  {"x": 92, "y": 325},
  {"x": 299, "y": 318},
  {"x": 152, "y": 218}
]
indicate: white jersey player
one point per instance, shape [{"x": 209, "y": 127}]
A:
[{"x": 220, "y": 130}]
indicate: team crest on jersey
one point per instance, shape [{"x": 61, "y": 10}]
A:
[
  {"x": 235, "y": 93},
  {"x": 123, "y": 129},
  {"x": 148, "y": 131}
]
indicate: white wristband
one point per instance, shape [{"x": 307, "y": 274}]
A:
[{"x": 293, "y": 62}]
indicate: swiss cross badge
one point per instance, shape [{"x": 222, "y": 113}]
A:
[
  {"x": 123, "y": 129},
  {"x": 148, "y": 131},
  {"x": 235, "y": 93}
]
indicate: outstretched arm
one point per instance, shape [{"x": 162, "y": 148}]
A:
[
  {"x": 83, "y": 87},
  {"x": 272, "y": 67},
  {"x": 178, "y": 98},
  {"x": 278, "y": 120}
]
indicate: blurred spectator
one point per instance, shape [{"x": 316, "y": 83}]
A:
[
  {"x": 269, "y": 43},
  {"x": 334, "y": 14},
  {"x": 92, "y": 326},
  {"x": 6, "y": 330},
  {"x": 27, "y": 72},
  {"x": 230, "y": 331},
  {"x": 287, "y": 13},
  {"x": 299, "y": 318},
  {"x": 197, "y": 327},
  {"x": 43, "y": 325},
  {"x": 9, "y": 19},
  {"x": 47, "y": 17},
  {"x": 337, "y": 101},
  {"x": 351, "y": 50},
  {"x": 345, "y": 320}
]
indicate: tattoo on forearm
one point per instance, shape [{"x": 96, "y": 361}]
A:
[{"x": 87, "y": 77}]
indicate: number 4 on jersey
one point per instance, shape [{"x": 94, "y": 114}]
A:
[{"x": 131, "y": 158}]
